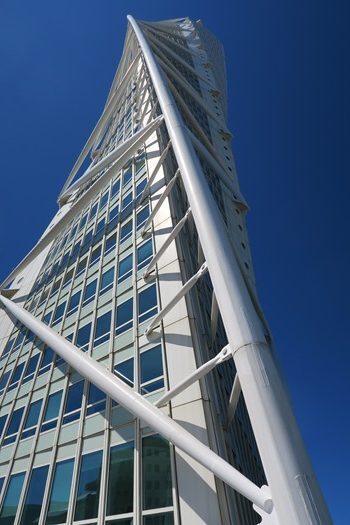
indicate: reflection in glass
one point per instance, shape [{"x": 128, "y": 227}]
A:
[
  {"x": 120, "y": 481},
  {"x": 59, "y": 498},
  {"x": 9, "y": 509},
  {"x": 34, "y": 498},
  {"x": 89, "y": 486},
  {"x": 156, "y": 473}
]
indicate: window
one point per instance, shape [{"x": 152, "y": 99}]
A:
[
  {"x": 16, "y": 376},
  {"x": 102, "y": 329},
  {"x": 68, "y": 277},
  {"x": 121, "y": 479},
  {"x": 96, "y": 400},
  {"x": 31, "y": 368},
  {"x": 73, "y": 303},
  {"x": 59, "y": 313},
  {"x": 144, "y": 254},
  {"x": 51, "y": 412},
  {"x": 156, "y": 473},
  {"x": 13, "y": 493},
  {"x": 125, "y": 268},
  {"x": 147, "y": 306},
  {"x": 81, "y": 267},
  {"x": 140, "y": 187},
  {"x": 113, "y": 212},
  {"x": 125, "y": 371},
  {"x": 59, "y": 497},
  {"x": 107, "y": 281},
  {"x": 115, "y": 187},
  {"x": 126, "y": 231},
  {"x": 127, "y": 176},
  {"x": 127, "y": 200},
  {"x": 88, "y": 237},
  {"x": 100, "y": 225},
  {"x": 124, "y": 317},
  {"x": 141, "y": 217},
  {"x": 13, "y": 427},
  {"x": 3, "y": 381},
  {"x": 88, "y": 486},
  {"x": 83, "y": 222},
  {"x": 73, "y": 402},
  {"x": 83, "y": 337},
  {"x": 110, "y": 243},
  {"x": 46, "y": 361},
  {"x": 90, "y": 292},
  {"x": 2, "y": 424},
  {"x": 151, "y": 368},
  {"x": 32, "y": 418},
  {"x": 34, "y": 497},
  {"x": 158, "y": 519},
  {"x": 95, "y": 255},
  {"x": 93, "y": 210},
  {"x": 104, "y": 200},
  {"x": 8, "y": 347},
  {"x": 55, "y": 287}
]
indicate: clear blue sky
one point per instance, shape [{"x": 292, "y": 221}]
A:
[{"x": 288, "y": 74}]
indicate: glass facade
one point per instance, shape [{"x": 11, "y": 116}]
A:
[{"x": 68, "y": 453}]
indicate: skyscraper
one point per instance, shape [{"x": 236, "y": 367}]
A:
[{"x": 138, "y": 384}]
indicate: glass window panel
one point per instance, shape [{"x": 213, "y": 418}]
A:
[
  {"x": 126, "y": 231},
  {"x": 104, "y": 200},
  {"x": 125, "y": 371},
  {"x": 53, "y": 406},
  {"x": 59, "y": 498},
  {"x": 156, "y": 473},
  {"x": 33, "y": 414},
  {"x": 115, "y": 187},
  {"x": 88, "y": 486},
  {"x": 151, "y": 364},
  {"x": 141, "y": 217},
  {"x": 81, "y": 266},
  {"x": 127, "y": 199},
  {"x": 147, "y": 303},
  {"x": 2, "y": 424},
  {"x": 31, "y": 367},
  {"x": 1, "y": 483},
  {"x": 159, "y": 519},
  {"x": 101, "y": 224},
  {"x": 107, "y": 280},
  {"x": 9, "y": 509},
  {"x": 140, "y": 187},
  {"x": 15, "y": 422},
  {"x": 144, "y": 254},
  {"x": 83, "y": 336},
  {"x": 113, "y": 212},
  {"x": 93, "y": 210},
  {"x": 127, "y": 175},
  {"x": 74, "y": 397},
  {"x": 34, "y": 498},
  {"x": 90, "y": 292},
  {"x": 4, "y": 379},
  {"x": 74, "y": 301},
  {"x": 46, "y": 361},
  {"x": 110, "y": 243},
  {"x": 121, "y": 479},
  {"x": 95, "y": 394},
  {"x": 59, "y": 312},
  {"x": 17, "y": 373},
  {"x": 125, "y": 268},
  {"x": 95, "y": 255},
  {"x": 124, "y": 316},
  {"x": 103, "y": 328},
  {"x": 83, "y": 222}
]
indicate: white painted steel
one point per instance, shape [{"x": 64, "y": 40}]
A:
[
  {"x": 201, "y": 371},
  {"x": 139, "y": 406},
  {"x": 180, "y": 294},
  {"x": 280, "y": 444},
  {"x": 172, "y": 235},
  {"x": 111, "y": 157},
  {"x": 154, "y": 172},
  {"x": 160, "y": 201}
]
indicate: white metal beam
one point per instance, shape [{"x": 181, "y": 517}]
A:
[
  {"x": 115, "y": 388},
  {"x": 201, "y": 371}
]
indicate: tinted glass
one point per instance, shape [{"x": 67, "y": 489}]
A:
[
  {"x": 141, "y": 217},
  {"x": 103, "y": 325},
  {"x": 83, "y": 336},
  {"x": 90, "y": 290},
  {"x": 144, "y": 253},
  {"x": 34, "y": 498},
  {"x": 59, "y": 311},
  {"x": 121, "y": 479},
  {"x": 124, "y": 314},
  {"x": 156, "y": 473},
  {"x": 53, "y": 405},
  {"x": 32, "y": 364},
  {"x": 110, "y": 243},
  {"x": 107, "y": 278},
  {"x": 88, "y": 486},
  {"x": 9, "y": 509},
  {"x": 147, "y": 303},
  {"x": 151, "y": 364},
  {"x": 17, "y": 373},
  {"x": 125, "y": 266},
  {"x": 125, "y": 371},
  {"x": 74, "y": 300},
  {"x": 15, "y": 421},
  {"x": 60, "y": 491},
  {"x": 33, "y": 414},
  {"x": 159, "y": 519},
  {"x": 126, "y": 231},
  {"x": 2, "y": 424},
  {"x": 74, "y": 397},
  {"x": 4, "y": 379}
]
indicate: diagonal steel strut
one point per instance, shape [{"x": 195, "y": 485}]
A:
[{"x": 140, "y": 407}]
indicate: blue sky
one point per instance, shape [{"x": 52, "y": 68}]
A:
[{"x": 289, "y": 112}]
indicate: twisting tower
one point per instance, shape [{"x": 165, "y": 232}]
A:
[{"x": 138, "y": 381}]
